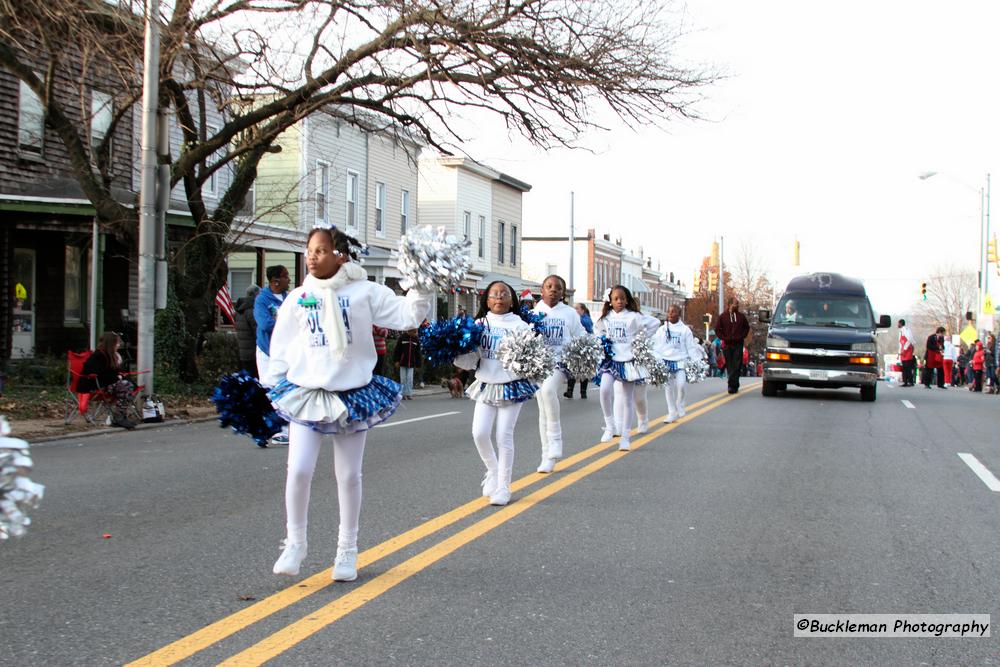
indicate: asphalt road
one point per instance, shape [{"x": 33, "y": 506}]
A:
[{"x": 697, "y": 547}]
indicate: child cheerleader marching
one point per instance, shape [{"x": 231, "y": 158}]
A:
[
  {"x": 562, "y": 324},
  {"x": 498, "y": 394},
  {"x": 322, "y": 356},
  {"x": 621, "y": 321},
  {"x": 675, "y": 344}
]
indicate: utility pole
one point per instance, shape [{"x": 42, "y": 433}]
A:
[
  {"x": 722, "y": 287},
  {"x": 572, "y": 239},
  {"x": 147, "y": 194}
]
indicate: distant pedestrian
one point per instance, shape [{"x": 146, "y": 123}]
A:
[
  {"x": 378, "y": 336},
  {"x": 265, "y": 312},
  {"x": 906, "y": 354},
  {"x": 934, "y": 359},
  {"x": 246, "y": 330},
  {"x": 588, "y": 325},
  {"x": 949, "y": 355},
  {"x": 989, "y": 361},
  {"x": 407, "y": 358},
  {"x": 978, "y": 366},
  {"x": 527, "y": 299},
  {"x": 732, "y": 327}
]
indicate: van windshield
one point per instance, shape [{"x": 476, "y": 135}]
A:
[{"x": 837, "y": 311}]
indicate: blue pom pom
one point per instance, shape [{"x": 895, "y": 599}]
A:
[
  {"x": 243, "y": 405},
  {"x": 534, "y": 319},
  {"x": 444, "y": 340}
]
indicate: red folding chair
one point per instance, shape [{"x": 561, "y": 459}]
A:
[{"x": 91, "y": 405}]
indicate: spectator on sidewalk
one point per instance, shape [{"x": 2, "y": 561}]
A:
[
  {"x": 906, "y": 354},
  {"x": 378, "y": 335},
  {"x": 978, "y": 365},
  {"x": 949, "y": 360},
  {"x": 407, "y": 358},
  {"x": 246, "y": 330},
  {"x": 934, "y": 361}
]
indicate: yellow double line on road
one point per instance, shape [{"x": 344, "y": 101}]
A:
[{"x": 293, "y": 634}]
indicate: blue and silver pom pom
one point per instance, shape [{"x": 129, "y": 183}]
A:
[
  {"x": 444, "y": 340},
  {"x": 642, "y": 353},
  {"x": 243, "y": 405},
  {"x": 17, "y": 492},
  {"x": 524, "y": 354},
  {"x": 582, "y": 356},
  {"x": 430, "y": 259},
  {"x": 696, "y": 370},
  {"x": 534, "y": 319}
]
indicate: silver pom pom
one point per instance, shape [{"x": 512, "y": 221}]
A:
[
  {"x": 642, "y": 352},
  {"x": 17, "y": 492},
  {"x": 430, "y": 259},
  {"x": 582, "y": 356},
  {"x": 524, "y": 354},
  {"x": 696, "y": 370}
]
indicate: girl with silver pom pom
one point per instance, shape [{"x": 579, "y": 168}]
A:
[
  {"x": 562, "y": 324},
  {"x": 322, "y": 356},
  {"x": 621, "y": 321},
  {"x": 498, "y": 393},
  {"x": 676, "y": 345}
]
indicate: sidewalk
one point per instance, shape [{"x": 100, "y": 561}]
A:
[{"x": 45, "y": 430}]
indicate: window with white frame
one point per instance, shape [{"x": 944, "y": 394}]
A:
[
  {"x": 353, "y": 181},
  {"x": 74, "y": 285},
  {"x": 30, "y": 120},
  {"x": 323, "y": 193},
  {"x": 467, "y": 225},
  {"x": 501, "y": 235},
  {"x": 513, "y": 245},
  {"x": 380, "y": 209},
  {"x": 482, "y": 236},
  {"x": 404, "y": 211},
  {"x": 101, "y": 113},
  {"x": 213, "y": 180}
]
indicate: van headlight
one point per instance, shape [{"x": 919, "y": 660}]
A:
[
  {"x": 776, "y": 342},
  {"x": 863, "y": 347}
]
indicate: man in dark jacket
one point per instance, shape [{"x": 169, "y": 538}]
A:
[
  {"x": 732, "y": 328},
  {"x": 934, "y": 361},
  {"x": 246, "y": 330}
]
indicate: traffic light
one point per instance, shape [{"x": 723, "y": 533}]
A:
[
  {"x": 991, "y": 250},
  {"x": 713, "y": 281},
  {"x": 923, "y": 291},
  {"x": 697, "y": 281},
  {"x": 706, "y": 318}
]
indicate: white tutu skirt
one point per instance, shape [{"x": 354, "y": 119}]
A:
[
  {"x": 625, "y": 371},
  {"x": 501, "y": 393},
  {"x": 328, "y": 412}
]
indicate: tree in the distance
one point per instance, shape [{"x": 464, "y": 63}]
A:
[{"x": 548, "y": 68}]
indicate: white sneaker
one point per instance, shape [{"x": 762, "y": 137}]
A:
[
  {"x": 345, "y": 567},
  {"x": 501, "y": 496},
  {"x": 290, "y": 559},
  {"x": 608, "y": 435},
  {"x": 644, "y": 426},
  {"x": 555, "y": 450},
  {"x": 671, "y": 418},
  {"x": 489, "y": 483},
  {"x": 624, "y": 445},
  {"x": 547, "y": 465}
]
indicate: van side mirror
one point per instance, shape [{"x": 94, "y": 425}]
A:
[
  {"x": 764, "y": 316},
  {"x": 884, "y": 322}
]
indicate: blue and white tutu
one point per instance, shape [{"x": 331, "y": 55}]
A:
[
  {"x": 673, "y": 366},
  {"x": 625, "y": 371},
  {"x": 346, "y": 411},
  {"x": 501, "y": 393}
]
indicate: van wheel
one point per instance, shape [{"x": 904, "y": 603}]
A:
[
  {"x": 868, "y": 393},
  {"x": 769, "y": 388}
]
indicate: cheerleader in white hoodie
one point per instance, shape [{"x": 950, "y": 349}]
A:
[
  {"x": 562, "y": 324},
  {"x": 322, "y": 355},
  {"x": 621, "y": 321},
  {"x": 498, "y": 394},
  {"x": 675, "y": 344}
]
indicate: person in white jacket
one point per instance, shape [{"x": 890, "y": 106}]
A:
[
  {"x": 322, "y": 356},
  {"x": 675, "y": 344},
  {"x": 562, "y": 324},
  {"x": 498, "y": 394},
  {"x": 621, "y": 321}
]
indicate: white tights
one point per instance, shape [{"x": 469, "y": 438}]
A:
[
  {"x": 617, "y": 412},
  {"x": 549, "y": 426},
  {"x": 641, "y": 407},
  {"x": 482, "y": 424},
  {"x": 676, "y": 385},
  {"x": 348, "y": 452}
]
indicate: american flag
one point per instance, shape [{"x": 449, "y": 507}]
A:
[{"x": 225, "y": 303}]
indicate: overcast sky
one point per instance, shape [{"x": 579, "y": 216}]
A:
[{"x": 830, "y": 112}]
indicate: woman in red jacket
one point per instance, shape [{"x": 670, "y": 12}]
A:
[{"x": 978, "y": 364}]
